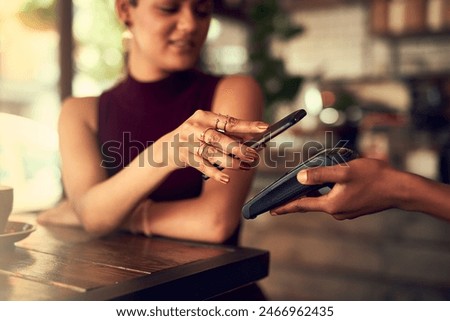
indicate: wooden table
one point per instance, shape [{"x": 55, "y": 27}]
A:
[{"x": 62, "y": 263}]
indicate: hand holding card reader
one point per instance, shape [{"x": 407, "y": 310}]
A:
[{"x": 288, "y": 188}]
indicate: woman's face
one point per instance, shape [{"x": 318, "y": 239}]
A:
[{"x": 169, "y": 34}]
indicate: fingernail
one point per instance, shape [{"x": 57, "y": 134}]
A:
[
  {"x": 224, "y": 179},
  {"x": 248, "y": 159},
  {"x": 262, "y": 125},
  {"x": 273, "y": 213},
  {"x": 250, "y": 152},
  {"x": 302, "y": 176},
  {"x": 245, "y": 166}
]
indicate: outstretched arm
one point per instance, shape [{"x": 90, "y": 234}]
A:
[{"x": 366, "y": 186}]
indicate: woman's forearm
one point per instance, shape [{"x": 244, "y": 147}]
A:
[
  {"x": 192, "y": 219},
  {"x": 211, "y": 217},
  {"x": 106, "y": 205}
]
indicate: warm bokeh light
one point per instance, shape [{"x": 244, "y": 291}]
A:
[
  {"x": 29, "y": 159},
  {"x": 29, "y": 75},
  {"x": 226, "y": 50},
  {"x": 329, "y": 116},
  {"x": 99, "y": 54},
  {"x": 215, "y": 30},
  {"x": 328, "y": 98},
  {"x": 313, "y": 100}
]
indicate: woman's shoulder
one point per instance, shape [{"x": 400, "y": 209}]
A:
[
  {"x": 83, "y": 110},
  {"x": 83, "y": 102},
  {"x": 240, "y": 96},
  {"x": 240, "y": 82},
  {"x": 239, "y": 85}
]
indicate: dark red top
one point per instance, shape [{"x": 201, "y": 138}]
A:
[{"x": 133, "y": 114}]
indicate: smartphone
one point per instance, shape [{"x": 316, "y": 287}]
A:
[{"x": 258, "y": 142}]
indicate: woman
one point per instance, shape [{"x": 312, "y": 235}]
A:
[{"x": 122, "y": 152}]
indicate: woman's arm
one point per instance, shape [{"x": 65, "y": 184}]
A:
[
  {"x": 103, "y": 204},
  {"x": 214, "y": 215},
  {"x": 366, "y": 186}
]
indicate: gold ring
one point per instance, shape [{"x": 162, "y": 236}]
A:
[
  {"x": 226, "y": 123},
  {"x": 203, "y": 134},
  {"x": 217, "y": 123},
  {"x": 222, "y": 130}
]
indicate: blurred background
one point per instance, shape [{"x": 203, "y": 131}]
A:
[{"x": 374, "y": 75}]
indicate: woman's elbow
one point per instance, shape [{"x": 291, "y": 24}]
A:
[
  {"x": 97, "y": 230},
  {"x": 94, "y": 226},
  {"x": 221, "y": 231}
]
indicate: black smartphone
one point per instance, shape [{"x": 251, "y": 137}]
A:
[{"x": 258, "y": 142}]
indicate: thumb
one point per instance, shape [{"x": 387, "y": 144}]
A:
[{"x": 320, "y": 175}]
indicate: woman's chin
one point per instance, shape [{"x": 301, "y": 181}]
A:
[{"x": 181, "y": 66}]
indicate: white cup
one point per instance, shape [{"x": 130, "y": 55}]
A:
[{"x": 6, "y": 204}]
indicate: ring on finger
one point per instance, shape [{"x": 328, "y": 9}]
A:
[
  {"x": 228, "y": 121},
  {"x": 216, "y": 127},
  {"x": 227, "y": 118},
  {"x": 225, "y": 122},
  {"x": 203, "y": 134},
  {"x": 201, "y": 149}
]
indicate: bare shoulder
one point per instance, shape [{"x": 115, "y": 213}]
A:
[
  {"x": 239, "y": 95},
  {"x": 80, "y": 111},
  {"x": 240, "y": 83}
]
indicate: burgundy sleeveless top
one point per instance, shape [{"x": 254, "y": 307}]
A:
[{"x": 132, "y": 115}]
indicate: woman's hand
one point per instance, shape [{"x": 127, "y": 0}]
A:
[
  {"x": 206, "y": 140},
  {"x": 363, "y": 186}
]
